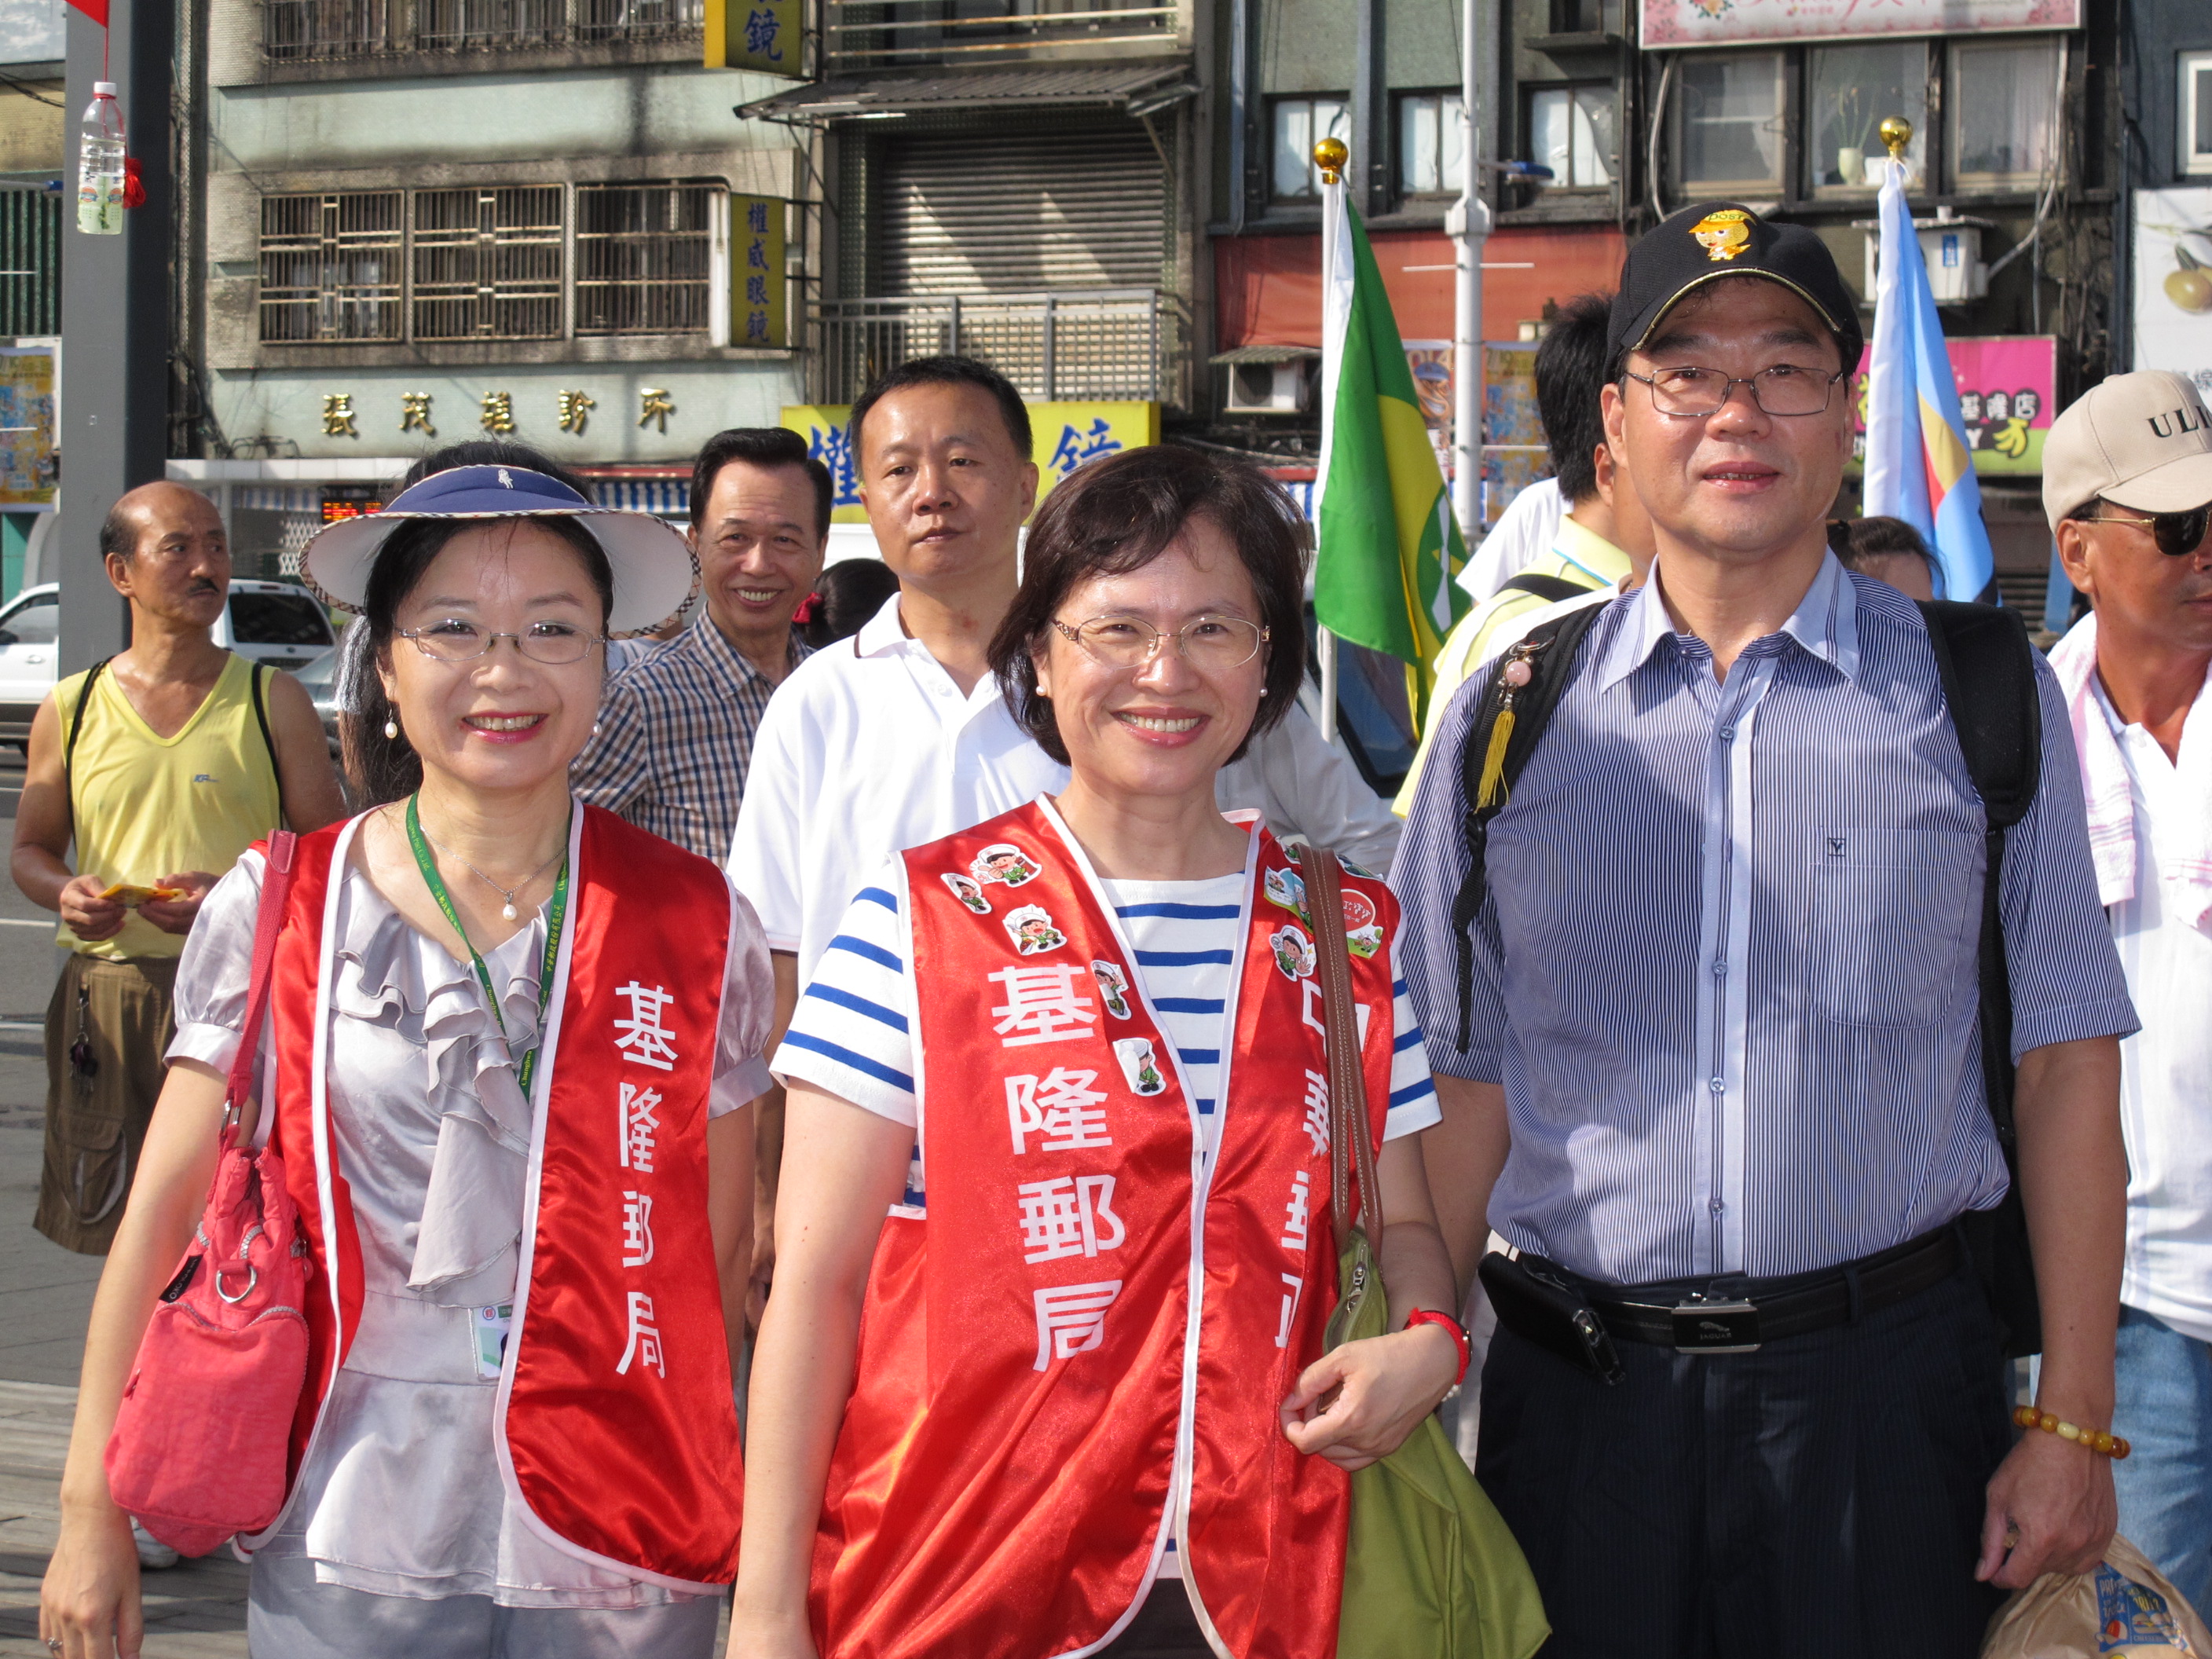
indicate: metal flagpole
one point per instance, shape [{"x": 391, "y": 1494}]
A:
[
  {"x": 1329, "y": 156},
  {"x": 1468, "y": 226}
]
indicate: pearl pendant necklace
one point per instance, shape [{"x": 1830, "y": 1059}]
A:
[{"x": 508, "y": 910}]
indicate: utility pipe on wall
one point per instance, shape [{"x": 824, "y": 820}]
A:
[{"x": 1468, "y": 226}]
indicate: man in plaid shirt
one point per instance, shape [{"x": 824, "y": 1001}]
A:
[{"x": 676, "y": 727}]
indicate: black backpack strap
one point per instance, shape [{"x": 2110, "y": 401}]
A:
[
  {"x": 76, "y": 715},
  {"x": 1507, "y": 725},
  {"x": 1987, "y": 665},
  {"x": 1550, "y": 589},
  {"x": 256, "y": 671}
]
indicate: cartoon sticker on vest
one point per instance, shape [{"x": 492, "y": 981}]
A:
[
  {"x": 1723, "y": 233},
  {"x": 1114, "y": 986},
  {"x": 968, "y": 890},
  {"x": 1032, "y": 931},
  {"x": 1362, "y": 931},
  {"x": 1135, "y": 1055},
  {"x": 1294, "y": 952},
  {"x": 1287, "y": 887},
  {"x": 1004, "y": 862}
]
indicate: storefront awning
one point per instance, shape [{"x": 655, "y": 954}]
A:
[
  {"x": 1265, "y": 354},
  {"x": 1130, "y": 89}
]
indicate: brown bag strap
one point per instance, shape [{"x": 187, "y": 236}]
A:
[{"x": 1351, "y": 1149}]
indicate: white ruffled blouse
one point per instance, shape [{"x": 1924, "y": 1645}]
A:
[{"x": 402, "y": 1495}]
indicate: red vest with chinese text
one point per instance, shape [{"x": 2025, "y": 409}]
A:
[
  {"x": 1088, "y": 1304},
  {"x": 617, "y": 1430}
]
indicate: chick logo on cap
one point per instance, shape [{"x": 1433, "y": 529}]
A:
[{"x": 1724, "y": 233}]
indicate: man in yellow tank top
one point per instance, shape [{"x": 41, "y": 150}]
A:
[{"x": 177, "y": 758}]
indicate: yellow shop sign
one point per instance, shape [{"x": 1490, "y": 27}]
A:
[{"x": 1065, "y": 436}]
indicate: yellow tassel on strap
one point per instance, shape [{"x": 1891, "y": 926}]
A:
[{"x": 1490, "y": 789}]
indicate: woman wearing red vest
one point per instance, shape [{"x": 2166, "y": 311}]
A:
[
  {"x": 510, "y": 1044},
  {"x": 1069, "y": 1397}
]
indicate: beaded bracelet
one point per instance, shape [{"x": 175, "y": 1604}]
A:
[{"x": 2096, "y": 1440}]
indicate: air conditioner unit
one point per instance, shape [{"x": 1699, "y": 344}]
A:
[
  {"x": 1951, "y": 248},
  {"x": 1268, "y": 388}
]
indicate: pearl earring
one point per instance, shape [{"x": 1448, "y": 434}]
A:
[
  {"x": 391, "y": 730},
  {"x": 595, "y": 728}
]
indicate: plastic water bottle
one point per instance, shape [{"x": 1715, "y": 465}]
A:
[{"x": 100, "y": 165}]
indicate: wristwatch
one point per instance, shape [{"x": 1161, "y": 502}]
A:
[{"x": 1430, "y": 1316}]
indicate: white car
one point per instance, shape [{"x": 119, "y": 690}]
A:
[{"x": 274, "y": 622}]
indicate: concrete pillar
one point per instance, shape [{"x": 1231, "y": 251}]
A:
[{"x": 115, "y": 321}]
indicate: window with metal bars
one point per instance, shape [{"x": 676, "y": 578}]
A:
[
  {"x": 457, "y": 23},
  {"x": 645, "y": 257},
  {"x": 332, "y": 267},
  {"x": 487, "y": 264},
  {"x": 30, "y": 262},
  {"x": 325, "y": 28},
  {"x": 635, "y": 19}
]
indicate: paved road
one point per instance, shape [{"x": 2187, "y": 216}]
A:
[
  {"x": 195, "y": 1611},
  {"x": 46, "y": 1290}
]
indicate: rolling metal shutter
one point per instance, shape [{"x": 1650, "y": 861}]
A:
[{"x": 1002, "y": 212}]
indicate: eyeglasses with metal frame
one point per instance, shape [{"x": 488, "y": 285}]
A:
[
  {"x": 1786, "y": 389},
  {"x": 2178, "y": 534},
  {"x": 452, "y": 639},
  {"x": 1212, "y": 645}
]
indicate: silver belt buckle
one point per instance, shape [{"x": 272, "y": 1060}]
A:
[{"x": 1706, "y": 1326}]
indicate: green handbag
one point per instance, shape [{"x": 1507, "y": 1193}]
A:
[{"x": 1430, "y": 1570}]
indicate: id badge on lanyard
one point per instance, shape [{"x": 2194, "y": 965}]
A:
[{"x": 490, "y": 1326}]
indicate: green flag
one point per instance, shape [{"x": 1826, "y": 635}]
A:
[{"x": 1388, "y": 545}]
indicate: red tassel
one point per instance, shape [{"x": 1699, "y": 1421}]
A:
[{"x": 134, "y": 187}]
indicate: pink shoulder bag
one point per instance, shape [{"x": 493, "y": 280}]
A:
[{"x": 201, "y": 1438}]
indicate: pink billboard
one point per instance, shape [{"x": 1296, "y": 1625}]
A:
[{"x": 2008, "y": 393}]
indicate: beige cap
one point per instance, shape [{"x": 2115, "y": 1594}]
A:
[{"x": 2141, "y": 441}]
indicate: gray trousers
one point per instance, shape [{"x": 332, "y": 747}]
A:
[{"x": 290, "y": 1616}]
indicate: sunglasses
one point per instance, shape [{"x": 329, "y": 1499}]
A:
[{"x": 2176, "y": 533}]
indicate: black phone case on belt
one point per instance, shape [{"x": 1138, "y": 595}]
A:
[{"x": 1546, "y": 1313}]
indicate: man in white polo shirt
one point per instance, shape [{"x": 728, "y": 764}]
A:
[
  {"x": 2127, "y": 484},
  {"x": 899, "y": 735}
]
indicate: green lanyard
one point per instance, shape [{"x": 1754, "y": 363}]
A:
[{"x": 436, "y": 883}]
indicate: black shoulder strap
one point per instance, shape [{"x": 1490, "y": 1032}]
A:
[
  {"x": 261, "y": 718},
  {"x": 1987, "y": 665},
  {"x": 1550, "y": 589},
  {"x": 76, "y": 715},
  {"x": 1522, "y": 689}
]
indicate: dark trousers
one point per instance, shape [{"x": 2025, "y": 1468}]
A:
[
  {"x": 1165, "y": 1628},
  {"x": 96, "y": 1121},
  {"x": 1820, "y": 1499}
]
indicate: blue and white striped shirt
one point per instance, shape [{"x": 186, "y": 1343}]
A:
[
  {"x": 852, "y": 1033},
  {"x": 1726, "y": 965}
]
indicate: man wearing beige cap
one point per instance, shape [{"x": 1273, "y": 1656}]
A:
[{"x": 2127, "y": 484}]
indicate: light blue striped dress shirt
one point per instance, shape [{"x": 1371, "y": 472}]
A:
[{"x": 1725, "y": 968}]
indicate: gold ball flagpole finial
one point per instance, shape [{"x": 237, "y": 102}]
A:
[
  {"x": 1330, "y": 156},
  {"x": 1896, "y": 133}
]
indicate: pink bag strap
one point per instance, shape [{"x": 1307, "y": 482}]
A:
[{"x": 268, "y": 922}]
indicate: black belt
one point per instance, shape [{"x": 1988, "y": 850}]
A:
[{"x": 1734, "y": 1315}]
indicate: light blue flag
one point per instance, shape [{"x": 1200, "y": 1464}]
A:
[{"x": 1918, "y": 466}]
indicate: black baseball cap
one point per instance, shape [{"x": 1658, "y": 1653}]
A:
[{"x": 1717, "y": 239}]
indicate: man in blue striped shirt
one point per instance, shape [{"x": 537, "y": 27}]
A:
[{"x": 1720, "y": 1048}]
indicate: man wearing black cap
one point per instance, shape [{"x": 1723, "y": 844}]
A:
[{"x": 1709, "y": 1061}]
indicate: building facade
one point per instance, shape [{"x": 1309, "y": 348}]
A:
[
  {"x": 403, "y": 221},
  {"x": 1636, "y": 107},
  {"x": 36, "y": 130},
  {"x": 422, "y": 221},
  {"x": 2164, "y": 277}
]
